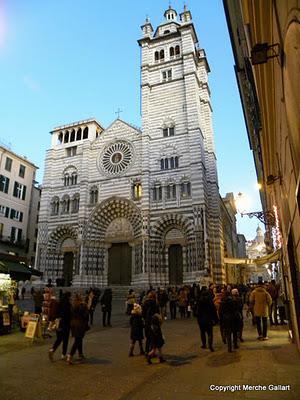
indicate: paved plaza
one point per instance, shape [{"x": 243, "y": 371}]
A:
[{"x": 108, "y": 372}]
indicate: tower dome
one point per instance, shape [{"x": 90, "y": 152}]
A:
[{"x": 170, "y": 14}]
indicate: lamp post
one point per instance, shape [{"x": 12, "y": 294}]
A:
[{"x": 266, "y": 217}]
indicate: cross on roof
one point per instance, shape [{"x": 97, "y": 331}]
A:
[{"x": 118, "y": 112}]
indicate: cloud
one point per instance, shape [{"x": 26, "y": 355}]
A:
[{"x": 31, "y": 84}]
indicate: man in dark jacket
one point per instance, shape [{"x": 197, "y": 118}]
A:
[
  {"x": 105, "y": 302},
  {"x": 149, "y": 308},
  {"x": 206, "y": 316}
]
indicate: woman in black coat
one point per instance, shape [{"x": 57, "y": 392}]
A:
[
  {"x": 156, "y": 338},
  {"x": 230, "y": 318},
  {"x": 79, "y": 325},
  {"x": 149, "y": 308},
  {"x": 106, "y": 301},
  {"x": 137, "y": 329},
  {"x": 206, "y": 316},
  {"x": 63, "y": 314}
]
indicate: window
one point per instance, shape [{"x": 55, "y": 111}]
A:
[
  {"x": 55, "y": 206},
  {"x": 168, "y": 131},
  {"x": 65, "y": 205},
  {"x": 4, "y": 211},
  {"x": 19, "y": 191},
  {"x": 71, "y": 151},
  {"x": 15, "y": 234},
  {"x": 36, "y": 233},
  {"x": 8, "y": 164},
  {"x": 72, "y": 137},
  {"x": 157, "y": 193},
  {"x": 75, "y": 203},
  {"x": 162, "y": 54},
  {"x": 185, "y": 189},
  {"x": 22, "y": 171},
  {"x": 156, "y": 56},
  {"x": 60, "y": 138},
  {"x": 167, "y": 75},
  {"x": 169, "y": 163},
  {"x": 66, "y": 138},
  {"x": 4, "y": 184},
  {"x": 177, "y": 51},
  {"x": 136, "y": 191},
  {"x": 16, "y": 215},
  {"x": 78, "y": 135},
  {"x": 94, "y": 195},
  {"x": 85, "y": 133},
  {"x": 172, "y": 52}
]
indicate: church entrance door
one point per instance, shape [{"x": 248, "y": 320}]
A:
[
  {"x": 175, "y": 264},
  {"x": 119, "y": 264},
  {"x": 68, "y": 268}
]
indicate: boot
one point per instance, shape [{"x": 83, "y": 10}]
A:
[
  {"x": 69, "y": 359},
  {"x": 131, "y": 351}
]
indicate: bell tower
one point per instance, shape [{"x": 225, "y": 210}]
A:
[{"x": 178, "y": 144}]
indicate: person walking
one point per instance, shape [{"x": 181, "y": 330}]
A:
[
  {"x": 91, "y": 301},
  {"x": 106, "y": 304},
  {"x": 79, "y": 325},
  {"x": 38, "y": 299},
  {"x": 149, "y": 308},
  {"x": 137, "y": 329},
  {"x": 157, "y": 340},
  {"x": 130, "y": 301},
  {"x": 173, "y": 297},
  {"x": 182, "y": 302},
  {"x": 63, "y": 316},
  {"x": 230, "y": 320},
  {"x": 162, "y": 299},
  {"x": 240, "y": 319},
  {"x": 260, "y": 300},
  {"x": 273, "y": 291},
  {"x": 206, "y": 316}
]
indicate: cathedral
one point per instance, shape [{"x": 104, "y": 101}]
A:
[{"x": 128, "y": 206}]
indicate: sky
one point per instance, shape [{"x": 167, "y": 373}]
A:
[{"x": 63, "y": 61}]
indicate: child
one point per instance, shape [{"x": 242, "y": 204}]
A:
[
  {"x": 156, "y": 337},
  {"x": 137, "y": 327}
]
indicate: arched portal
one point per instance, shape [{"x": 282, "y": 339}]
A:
[{"x": 114, "y": 231}]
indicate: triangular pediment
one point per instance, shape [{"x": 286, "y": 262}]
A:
[{"x": 118, "y": 125}]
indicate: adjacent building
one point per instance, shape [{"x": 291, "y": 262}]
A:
[
  {"x": 19, "y": 202},
  {"x": 128, "y": 206},
  {"x": 265, "y": 37}
]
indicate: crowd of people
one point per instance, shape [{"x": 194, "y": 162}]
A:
[{"x": 222, "y": 305}]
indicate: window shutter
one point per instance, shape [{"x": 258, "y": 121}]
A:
[
  {"x": 12, "y": 213},
  {"x": 24, "y": 192},
  {"x": 7, "y": 212},
  {"x": 21, "y": 217},
  {"x": 19, "y": 235}
]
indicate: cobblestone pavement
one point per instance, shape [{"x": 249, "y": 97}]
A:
[{"x": 108, "y": 372}]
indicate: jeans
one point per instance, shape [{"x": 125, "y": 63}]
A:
[
  {"x": 106, "y": 317},
  {"x": 262, "y": 332},
  {"x": 77, "y": 345},
  {"x": 62, "y": 336},
  {"x": 173, "y": 309},
  {"x": 206, "y": 328}
]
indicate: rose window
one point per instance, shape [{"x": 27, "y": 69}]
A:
[{"x": 116, "y": 158}]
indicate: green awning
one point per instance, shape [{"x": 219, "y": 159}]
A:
[{"x": 15, "y": 268}]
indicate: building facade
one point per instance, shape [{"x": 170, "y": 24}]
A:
[
  {"x": 266, "y": 41},
  {"x": 19, "y": 198},
  {"x": 127, "y": 206}
]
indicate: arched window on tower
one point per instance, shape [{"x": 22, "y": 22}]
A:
[
  {"x": 75, "y": 203},
  {"x": 72, "y": 137},
  {"x": 65, "y": 204},
  {"x": 94, "y": 195},
  {"x": 60, "y": 138},
  {"x": 172, "y": 52},
  {"x": 85, "y": 133},
  {"x": 157, "y": 192},
  {"x": 66, "y": 179},
  {"x": 66, "y": 138},
  {"x": 136, "y": 189},
  {"x": 78, "y": 135},
  {"x": 156, "y": 56},
  {"x": 177, "y": 51},
  {"x": 162, "y": 54},
  {"x": 54, "y": 206},
  {"x": 74, "y": 178}
]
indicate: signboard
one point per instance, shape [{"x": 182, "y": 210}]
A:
[
  {"x": 6, "y": 319},
  {"x": 33, "y": 328}
]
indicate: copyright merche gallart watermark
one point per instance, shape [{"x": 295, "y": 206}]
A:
[{"x": 250, "y": 388}]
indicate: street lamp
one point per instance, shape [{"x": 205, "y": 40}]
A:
[{"x": 266, "y": 217}]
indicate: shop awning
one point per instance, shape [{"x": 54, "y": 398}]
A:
[
  {"x": 269, "y": 258},
  {"x": 14, "y": 268}
]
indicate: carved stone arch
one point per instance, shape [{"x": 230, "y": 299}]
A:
[
  {"x": 168, "y": 151},
  {"x": 58, "y": 236},
  {"x": 109, "y": 210},
  {"x": 171, "y": 221},
  {"x": 168, "y": 122}
]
